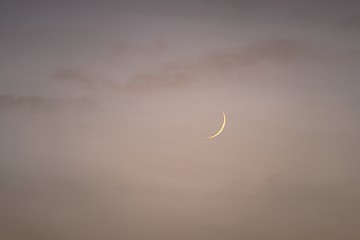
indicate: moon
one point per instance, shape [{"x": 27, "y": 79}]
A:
[{"x": 221, "y": 129}]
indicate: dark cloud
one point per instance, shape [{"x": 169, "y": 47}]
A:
[
  {"x": 280, "y": 52},
  {"x": 275, "y": 51},
  {"x": 128, "y": 48},
  {"x": 37, "y": 103},
  {"x": 176, "y": 73},
  {"x": 74, "y": 75},
  {"x": 149, "y": 82},
  {"x": 216, "y": 63},
  {"x": 169, "y": 77}
]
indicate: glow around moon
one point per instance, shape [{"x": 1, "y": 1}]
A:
[{"x": 221, "y": 129}]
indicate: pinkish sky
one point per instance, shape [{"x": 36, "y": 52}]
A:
[{"x": 104, "y": 106}]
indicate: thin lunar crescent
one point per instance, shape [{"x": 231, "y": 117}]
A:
[{"x": 221, "y": 129}]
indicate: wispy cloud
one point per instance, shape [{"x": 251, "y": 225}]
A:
[
  {"x": 36, "y": 103},
  {"x": 176, "y": 73},
  {"x": 126, "y": 48},
  {"x": 73, "y": 75},
  {"x": 281, "y": 50}
]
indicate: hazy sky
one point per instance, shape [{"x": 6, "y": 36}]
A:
[{"x": 104, "y": 106}]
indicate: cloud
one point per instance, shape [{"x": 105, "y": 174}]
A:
[
  {"x": 275, "y": 51},
  {"x": 11, "y": 102},
  {"x": 213, "y": 64},
  {"x": 179, "y": 73},
  {"x": 175, "y": 73},
  {"x": 73, "y": 75},
  {"x": 168, "y": 77},
  {"x": 126, "y": 48},
  {"x": 172, "y": 76}
]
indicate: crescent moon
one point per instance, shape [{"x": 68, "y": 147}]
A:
[{"x": 221, "y": 129}]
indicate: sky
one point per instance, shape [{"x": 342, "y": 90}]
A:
[{"x": 105, "y": 107}]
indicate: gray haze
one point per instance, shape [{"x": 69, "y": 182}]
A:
[{"x": 104, "y": 106}]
